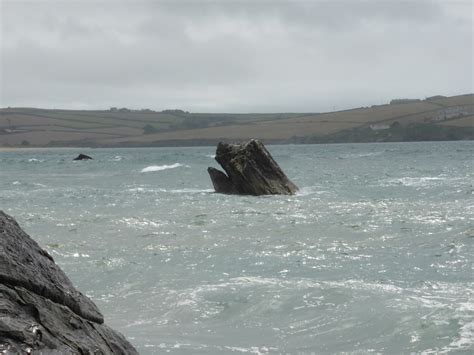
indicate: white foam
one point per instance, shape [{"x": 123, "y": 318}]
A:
[
  {"x": 465, "y": 339},
  {"x": 153, "y": 168},
  {"x": 191, "y": 191},
  {"x": 360, "y": 155},
  {"x": 310, "y": 190},
  {"x": 139, "y": 222},
  {"x": 71, "y": 255},
  {"x": 424, "y": 181},
  {"x": 252, "y": 350}
]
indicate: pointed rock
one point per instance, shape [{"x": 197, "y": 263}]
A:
[{"x": 249, "y": 170}]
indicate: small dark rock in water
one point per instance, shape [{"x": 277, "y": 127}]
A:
[
  {"x": 82, "y": 157},
  {"x": 250, "y": 170},
  {"x": 41, "y": 311}
]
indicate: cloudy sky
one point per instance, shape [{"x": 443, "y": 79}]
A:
[{"x": 233, "y": 56}]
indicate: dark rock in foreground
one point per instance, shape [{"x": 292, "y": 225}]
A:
[
  {"x": 82, "y": 157},
  {"x": 40, "y": 310},
  {"x": 250, "y": 170}
]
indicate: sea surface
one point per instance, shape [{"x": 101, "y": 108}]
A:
[{"x": 373, "y": 255}]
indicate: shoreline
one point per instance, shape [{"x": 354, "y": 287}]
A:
[{"x": 191, "y": 144}]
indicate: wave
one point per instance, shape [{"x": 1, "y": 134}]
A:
[
  {"x": 311, "y": 190},
  {"x": 116, "y": 158},
  {"x": 137, "y": 189},
  {"x": 191, "y": 191},
  {"x": 153, "y": 168},
  {"x": 360, "y": 155},
  {"x": 139, "y": 222},
  {"x": 68, "y": 254},
  {"x": 144, "y": 189},
  {"x": 422, "y": 181}
]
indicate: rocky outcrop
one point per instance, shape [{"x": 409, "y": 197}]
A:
[
  {"x": 82, "y": 157},
  {"x": 40, "y": 310},
  {"x": 249, "y": 170},
  {"x": 221, "y": 182}
]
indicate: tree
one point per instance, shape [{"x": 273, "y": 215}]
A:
[{"x": 149, "y": 129}]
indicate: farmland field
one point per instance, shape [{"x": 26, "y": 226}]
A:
[{"x": 116, "y": 127}]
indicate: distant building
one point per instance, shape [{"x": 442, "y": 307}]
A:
[
  {"x": 12, "y": 130},
  {"x": 403, "y": 101},
  {"x": 113, "y": 109},
  {"x": 436, "y": 97},
  {"x": 175, "y": 111},
  {"x": 453, "y": 112},
  {"x": 379, "y": 126}
]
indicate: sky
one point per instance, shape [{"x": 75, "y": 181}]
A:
[{"x": 232, "y": 56}]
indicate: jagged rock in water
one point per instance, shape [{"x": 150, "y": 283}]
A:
[
  {"x": 40, "y": 310},
  {"x": 82, "y": 157},
  {"x": 221, "y": 181},
  {"x": 250, "y": 170}
]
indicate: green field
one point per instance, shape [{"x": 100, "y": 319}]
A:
[{"x": 441, "y": 118}]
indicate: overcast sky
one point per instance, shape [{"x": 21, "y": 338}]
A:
[{"x": 233, "y": 56}]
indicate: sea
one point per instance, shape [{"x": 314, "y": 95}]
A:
[{"x": 374, "y": 254}]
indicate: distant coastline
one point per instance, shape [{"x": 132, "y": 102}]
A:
[{"x": 436, "y": 118}]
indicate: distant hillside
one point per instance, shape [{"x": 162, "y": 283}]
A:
[{"x": 435, "y": 118}]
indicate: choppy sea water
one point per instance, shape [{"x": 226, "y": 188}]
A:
[{"x": 375, "y": 254}]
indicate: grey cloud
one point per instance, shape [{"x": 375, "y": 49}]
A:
[
  {"x": 327, "y": 14},
  {"x": 233, "y": 56}
]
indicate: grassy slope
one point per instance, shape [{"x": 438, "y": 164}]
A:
[{"x": 103, "y": 128}]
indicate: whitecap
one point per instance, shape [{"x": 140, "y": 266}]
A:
[
  {"x": 139, "y": 223},
  {"x": 310, "y": 190},
  {"x": 305, "y": 191},
  {"x": 359, "y": 155},
  {"x": 424, "y": 181},
  {"x": 252, "y": 350},
  {"x": 152, "y": 168},
  {"x": 71, "y": 254},
  {"x": 190, "y": 191},
  {"x": 465, "y": 339}
]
